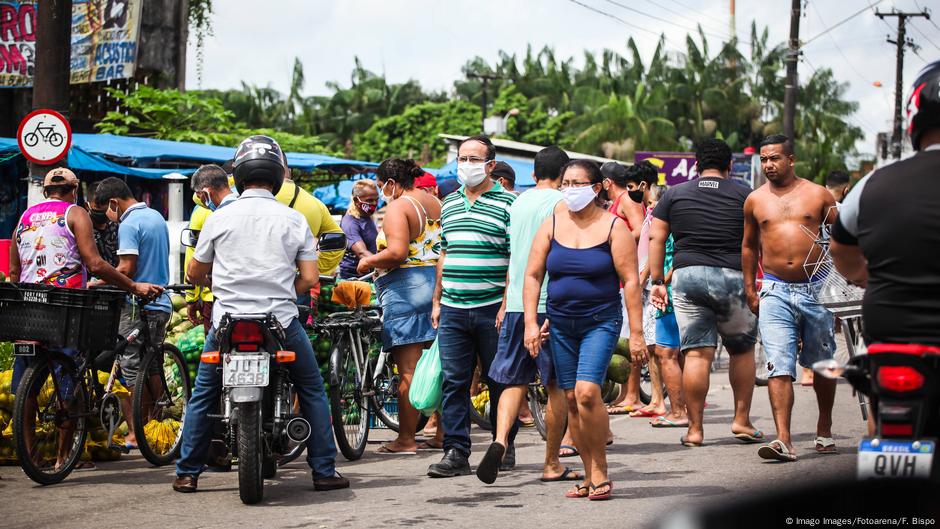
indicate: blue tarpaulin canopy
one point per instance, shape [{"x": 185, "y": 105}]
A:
[{"x": 88, "y": 152}]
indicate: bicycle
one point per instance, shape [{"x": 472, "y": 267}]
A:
[
  {"x": 58, "y": 392},
  {"x": 47, "y": 133},
  {"x": 360, "y": 382}
]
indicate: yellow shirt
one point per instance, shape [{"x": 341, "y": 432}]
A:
[
  {"x": 318, "y": 217},
  {"x": 196, "y": 220}
]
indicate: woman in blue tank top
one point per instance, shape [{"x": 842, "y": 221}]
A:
[{"x": 587, "y": 253}]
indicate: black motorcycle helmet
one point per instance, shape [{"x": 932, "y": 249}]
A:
[
  {"x": 259, "y": 158},
  {"x": 923, "y": 107}
]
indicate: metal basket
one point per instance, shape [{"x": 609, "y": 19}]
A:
[
  {"x": 834, "y": 292},
  {"x": 82, "y": 319}
]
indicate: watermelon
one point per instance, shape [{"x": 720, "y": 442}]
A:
[
  {"x": 623, "y": 347},
  {"x": 178, "y": 301},
  {"x": 618, "y": 370}
]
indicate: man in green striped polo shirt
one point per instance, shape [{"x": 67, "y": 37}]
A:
[{"x": 471, "y": 278}]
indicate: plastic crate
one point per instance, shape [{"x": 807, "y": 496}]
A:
[
  {"x": 391, "y": 406},
  {"x": 82, "y": 319}
]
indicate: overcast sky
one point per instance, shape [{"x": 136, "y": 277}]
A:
[{"x": 429, "y": 40}]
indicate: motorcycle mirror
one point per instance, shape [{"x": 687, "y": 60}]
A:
[
  {"x": 830, "y": 369},
  {"x": 189, "y": 238},
  {"x": 331, "y": 242}
]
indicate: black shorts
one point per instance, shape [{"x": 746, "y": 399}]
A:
[{"x": 512, "y": 365}]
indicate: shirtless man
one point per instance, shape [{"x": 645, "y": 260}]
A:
[{"x": 774, "y": 217}]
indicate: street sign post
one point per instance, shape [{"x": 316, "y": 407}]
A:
[{"x": 44, "y": 136}]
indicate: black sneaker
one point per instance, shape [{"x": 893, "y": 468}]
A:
[
  {"x": 491, "y": 464},
  {"x": 509, "y": 460},
  {"x": 452, "y": 464}
]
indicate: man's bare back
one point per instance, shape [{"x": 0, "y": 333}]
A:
[{"x": 779, "y": 214}]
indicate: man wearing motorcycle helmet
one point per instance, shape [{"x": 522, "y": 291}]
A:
[
  {"x": 254, "y": 249},
  {"x": 891, "y": 249}
]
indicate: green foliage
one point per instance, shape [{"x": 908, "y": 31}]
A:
[
  {"x": 533, "y": 124},
  {"x": 416, "y": 129},
  {"x": 6, "y": 355},
  {"x": 201, "y": 25}
]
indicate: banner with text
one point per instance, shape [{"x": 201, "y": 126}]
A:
[
  {"x": 677, "y": 167},
  {"x": 105, "y": 36}
]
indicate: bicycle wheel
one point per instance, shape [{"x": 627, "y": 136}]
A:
[
  {"x": 31, "y": 139},
  {"x": 161, "y": 393},
  {"x": 56, "y": 139},
  {"x": 538, "y": 400},
  {"x": 385, "y": 400},
  {"x": 646, "y": 387},
  {"x": 50, "y": 411},
  {"x": 349, "y": 409}
]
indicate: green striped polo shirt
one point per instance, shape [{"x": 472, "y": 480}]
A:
[{"x": 476, "y": 239}]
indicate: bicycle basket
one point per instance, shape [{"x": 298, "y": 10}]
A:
[
  {"x": 834, "y": 292},
  {"x": 82, "y": 319}
]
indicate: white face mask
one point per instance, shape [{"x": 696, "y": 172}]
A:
[
  {"x": 388, "y": 198},
  {"x": 577, "y": 198},
  {"x": 471, "y": 174}
]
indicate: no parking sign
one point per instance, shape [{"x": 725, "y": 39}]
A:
[{"x": 44, "y": 136}]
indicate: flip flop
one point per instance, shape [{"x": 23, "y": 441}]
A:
[
  {"x": 825, "y": 445},
  {"x": 748, "y": 438},
  {"x": 488, "y": 469},
  {"x": 620, "y": 410},
  {"x": 428, "y": 446},
  {"x": 644, "y": 413},
  {"x": 689, "y": 444},
  {"x": 777, "y": 451},
  {"x": 603, "y": 495},
  {"x": 568, "y": 475},
  {"x": 385, "y": 450},
  {"x": 663, "y": 422},
  {"x": 574, "y": 451},
  {"x": 580, "y": 491}
]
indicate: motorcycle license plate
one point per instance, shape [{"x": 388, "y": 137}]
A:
[
  {"x": 243, "y": 370},
  {"x": 24, "y": 349},
  {"x": 895, "y": 458}
]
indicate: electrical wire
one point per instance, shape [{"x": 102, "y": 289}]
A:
[
  {"x": 922, "y": 34},
  {"x": 843, "y": 21},
  {"x": 711, "y": 27},
  {"x": 667, "y": 21},
  {"x": 916, "y": 3},
  {"x": 839, "y": 49}
]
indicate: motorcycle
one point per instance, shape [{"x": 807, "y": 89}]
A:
[{"x": 902, "y": 383}]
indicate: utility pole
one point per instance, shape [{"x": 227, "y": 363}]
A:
[
  {"x": 793, "y": 54},
  {"x": 52, "y": 73},
  {"x": 485, "y": 79},
  {"x": 902, "y": 41}
]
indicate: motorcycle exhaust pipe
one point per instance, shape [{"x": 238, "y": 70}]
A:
[{"x": 298, "y": 429}]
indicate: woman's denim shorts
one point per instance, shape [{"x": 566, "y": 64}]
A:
[{"x": 406, "y": 295}]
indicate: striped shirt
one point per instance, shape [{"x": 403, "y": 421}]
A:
[{"x": 476, "y": 240}]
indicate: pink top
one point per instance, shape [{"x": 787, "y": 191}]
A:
[{"x": 48, "y": 251}]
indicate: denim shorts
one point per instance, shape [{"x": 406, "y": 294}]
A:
[
  {"x": 667, "y": 331},
  {"x": 709, "y": 301},
  {"x": 582, "y": 347},
  {"x": 405, "y": 295},
  {"x": 790, "y": 313},
  {"x": 512, "y": 365}
]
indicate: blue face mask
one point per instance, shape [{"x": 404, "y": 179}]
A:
[{"x": 209, "y": 203}]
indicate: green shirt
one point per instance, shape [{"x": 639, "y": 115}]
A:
[
  {"x": 476, "y": 239},
  {"x": 527, "y": 214}
]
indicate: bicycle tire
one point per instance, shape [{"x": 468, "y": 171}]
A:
[
  {"x": 646, "y": 386},
  {"x": 250, "y": 477},
  {"x": 345, "y": 400},
  {"x": 36, "y": 376},
  {"x": 31, "y": 139},
  {"x": 387, "y": 394},
  {"x": 538, "y": 399},
  {"x": 168, "y": 401},
  {"x": 56, "y": 139},
  {"x": 479, "y": 419}
]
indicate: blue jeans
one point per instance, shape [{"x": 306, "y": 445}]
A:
[
  {"x": 462, "y": 335},
  {"x": 789, "y": 314},
  {"x": 582, "y": 347},
  {"x": 304, "y": 373}
]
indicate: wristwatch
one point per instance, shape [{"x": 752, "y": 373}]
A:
[{"x": 657, "y": 282}]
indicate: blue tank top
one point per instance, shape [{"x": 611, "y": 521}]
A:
[{"x": 581, "y": 281}]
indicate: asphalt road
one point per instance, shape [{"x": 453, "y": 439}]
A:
[{"x": 653, "y": 476}]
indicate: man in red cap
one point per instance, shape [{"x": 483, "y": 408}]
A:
[{"x": 427, "y": 182}]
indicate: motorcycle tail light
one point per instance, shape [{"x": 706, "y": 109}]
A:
[
  {"x": 900, "y": 379},
  {"x": 896, "y": 430},
  {"x": 246, "y": 336}
]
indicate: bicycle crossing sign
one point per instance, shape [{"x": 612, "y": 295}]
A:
[{"x": 44, "y": 136}]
